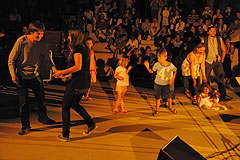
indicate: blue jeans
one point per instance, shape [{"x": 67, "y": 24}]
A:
[
  {"x": 22, "y": 89},
  {"x": 72, "y": 98}
]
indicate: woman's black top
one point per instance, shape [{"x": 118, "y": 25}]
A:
[{"x": 80, "y": 79}]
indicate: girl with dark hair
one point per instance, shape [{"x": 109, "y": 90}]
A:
[{"x": 79, "y": 61}]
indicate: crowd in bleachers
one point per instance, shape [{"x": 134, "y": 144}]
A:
[
  {"x": 121, "y": 24},
  {"x": 167, "y": 26}
]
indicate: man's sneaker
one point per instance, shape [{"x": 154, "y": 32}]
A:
[
  {"x": 24, "y": 131},
  {"x": 225, "y": 98},
  {"x": 47, "y": 121},
  {"x": 64, "y": 139},
  {"x": 90, "y": 129}
]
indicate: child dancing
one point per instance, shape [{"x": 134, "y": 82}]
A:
[
  {"x": 165, "y": 76},
  {"x": 121, "y": 74}
]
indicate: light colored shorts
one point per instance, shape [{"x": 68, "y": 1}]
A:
[
  {"x": 121, "y": 88},
  {"x": 93, "y": 76}
]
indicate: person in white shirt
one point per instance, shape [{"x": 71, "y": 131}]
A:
[
  {"x": 121, "y": 74},
  {"x": 180, "y": 26},
  {"x": 132, "y": 42}
]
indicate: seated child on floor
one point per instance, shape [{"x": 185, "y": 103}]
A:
[{"x": 209, "y": 98}]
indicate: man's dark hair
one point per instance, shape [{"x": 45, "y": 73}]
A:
[
  {"x": 35, "y": 26},
  {"x": 210, "y": 28}
]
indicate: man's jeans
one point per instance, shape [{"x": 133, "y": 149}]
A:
[
  {"x": 22, "y": 89},
  {"x": 219, "y": 73}
]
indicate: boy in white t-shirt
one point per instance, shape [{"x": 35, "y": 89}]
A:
[{"x": 165, "y": 75}]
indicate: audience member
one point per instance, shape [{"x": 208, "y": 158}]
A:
[
  {"x": 102, "y": 26},
  {"x": 154, "y": 27},
  {"x": 228, "y": 16},
  {"x": 180, "y": 26},
  {"x": 192, "y": 17},
  {"x": 154, "y": 8},
  {"x": 88, "y": 14},
  {"x": 221, "y": 28},
  {"x": 218, "y": 15},
  {"x": 165, "y": 16},
  {"x": 207, "y": 13}
]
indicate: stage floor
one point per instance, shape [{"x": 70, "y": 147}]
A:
[{"x": 136, "y": 135}]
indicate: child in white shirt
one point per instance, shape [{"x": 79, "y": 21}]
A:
[
  {"x": 209, "y": 99},
  {"x": 121, "y": 74},
  {"x": 165, "y": 76}
]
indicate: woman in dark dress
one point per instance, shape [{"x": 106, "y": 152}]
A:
[
  {"x": 79, "y": 83},
  {"x": 227, "y": 60}
]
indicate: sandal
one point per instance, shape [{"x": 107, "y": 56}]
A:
[
  {"x": 115, "y": 111},
  {"x": 187, "y": 93},
  {"x": 155, "y": 114},
  {"x": 194, "y": 101},
  {"x": 88, "y": 98},
  {"x": 123, "y": 111},
  {"x": 173, "y": 110}
]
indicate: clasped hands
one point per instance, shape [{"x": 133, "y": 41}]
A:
[{"x": 59, "y": 74}]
